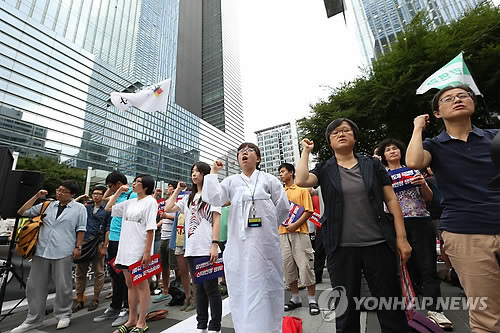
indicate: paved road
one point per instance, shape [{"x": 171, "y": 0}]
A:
[{"x": 185, "y": 322}]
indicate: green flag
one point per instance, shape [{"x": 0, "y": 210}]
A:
[{"x": 453, "y": 73}]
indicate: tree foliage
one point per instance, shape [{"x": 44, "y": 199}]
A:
[
  {"x": 54, "y": 172},
  {"x": 382, "y": 101}
]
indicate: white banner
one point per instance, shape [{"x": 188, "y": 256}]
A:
[{"x": 149, "y": 99}]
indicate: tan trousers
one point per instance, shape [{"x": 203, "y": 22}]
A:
[
  {"x": 476, "y": 259},
  {"x": 81, "y": 274},
  {"x": 297, "y": 253}
]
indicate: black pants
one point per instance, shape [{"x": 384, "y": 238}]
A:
[
  {"x": 421, "y": 235},
  {"x": 380, "y": 267},
  {"x": 319, "y": 256},
  {"x": 120, "y": 291},
  {"x": 207, "y": 292}
]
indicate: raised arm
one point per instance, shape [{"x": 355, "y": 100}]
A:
[
  {"x": 303, "y": 177},
  {"x": 114, "y": 197},
  {"x": 416, "y": 156},
  {"x": 28, "y": 204},
  {"x": 170, "y": 206},
  {"x": 107, "y": 195},
  {"x": 215, "y": 193}
]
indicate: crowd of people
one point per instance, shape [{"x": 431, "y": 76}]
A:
[{"x": 370, "y": 225}]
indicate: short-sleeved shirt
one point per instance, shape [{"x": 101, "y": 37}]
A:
[
  {"x": 116, "y": 222},
  {"x": 166, "y": 228},
  {"x": 138, "y": 216},
  {"x": 301, "y": 197},
  {"x": 57, "y": 238},
  {"x": 411, "y": 202},
  {"x": 198, "y": 219},
  {"x": 463, "y": 170}
]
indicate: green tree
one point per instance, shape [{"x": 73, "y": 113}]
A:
[
  {"x": 54, "y": 172},
  {"x": 382, "y": 101}
]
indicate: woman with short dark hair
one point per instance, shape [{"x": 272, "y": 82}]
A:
[
  {"x": 413, "y": 192},
  {"x": 136, "y": 241},
  {"x": 252, "y": 257},
  {"x": 357, "y": 234}
]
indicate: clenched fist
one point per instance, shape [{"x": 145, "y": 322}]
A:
[{"x": 307, "y": 145}]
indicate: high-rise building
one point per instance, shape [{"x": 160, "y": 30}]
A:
[
  {"x": 208, "y": 73},
  {"x": 379, "y": 22},
  {"x": 60, "y": 60},
  {"x": 278, "y": 144}
]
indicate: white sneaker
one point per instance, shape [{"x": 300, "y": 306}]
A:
[
  {"x": 26, "y": 327},
  {"x": 200, "y": 330},
  {"x": 440, "y": 319},
  {"x": 122, "y": 318},
  {"x": 63, "y": 323}
]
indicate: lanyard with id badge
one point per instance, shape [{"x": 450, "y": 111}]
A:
[{"x": 253, "y": 220}]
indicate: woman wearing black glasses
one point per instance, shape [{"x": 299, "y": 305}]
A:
[
  {"x": 252, "y": 258},
  {"x": 357, "y": 235}
]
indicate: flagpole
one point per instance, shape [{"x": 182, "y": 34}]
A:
[{"x": 161, "y": 144}]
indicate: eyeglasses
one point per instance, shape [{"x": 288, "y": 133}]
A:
[
  {"x": 97, "y": 194},
  {"x": 246, "y": 150},
  {"x": 344, "y": 131},
  {"x": 137, "y": 181},
  {"x": 62, "y": 191},
  {"x": 450, "y": 99}
]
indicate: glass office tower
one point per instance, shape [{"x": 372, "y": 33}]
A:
[
  {"x": 378, "y": 22},
  {"x": 59, "y": 62}
]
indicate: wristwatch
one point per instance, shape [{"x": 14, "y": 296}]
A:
[{"x": 78, "y": 247}]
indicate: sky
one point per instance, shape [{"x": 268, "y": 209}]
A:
[{"x": 290, "y": 53}]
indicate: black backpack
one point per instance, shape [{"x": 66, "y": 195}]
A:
[{"x": 178, "y": 296}]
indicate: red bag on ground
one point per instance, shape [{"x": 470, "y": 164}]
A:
[{"x": 292, "y": 325}]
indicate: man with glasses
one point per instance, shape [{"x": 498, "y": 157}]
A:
[
  {"x": 98, "y": 221},
  {"x": 59, "y": 243},
  {"x": 461, "y": 161},
  {"x": 118, "y": 308}
]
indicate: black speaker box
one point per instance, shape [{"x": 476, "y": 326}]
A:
[
  {"x": 6, "y": 160},
  {"x": 20, "y": 186}
]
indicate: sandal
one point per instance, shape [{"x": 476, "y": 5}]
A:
[
  {"x": 139, "y": 330},
  {"x": 124, "y": 329},
  {"x": 314, "y": 309},
  {"x": 292, "y": 305}
]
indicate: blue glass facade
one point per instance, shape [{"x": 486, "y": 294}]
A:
[
  {"x": 378, "y": 22},
  {"x": 59, "y": 62}
]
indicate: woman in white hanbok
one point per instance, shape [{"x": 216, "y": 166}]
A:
[{"x": 252, "y": 258}]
